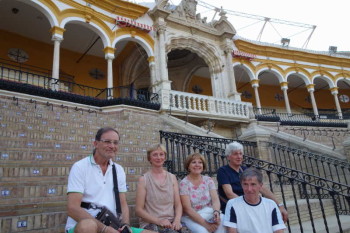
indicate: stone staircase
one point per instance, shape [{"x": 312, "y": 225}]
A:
[
  {"x": 40, "y": 140},
  {"x": 304, "y": 213},
  {"x": 330, "y": 138}
]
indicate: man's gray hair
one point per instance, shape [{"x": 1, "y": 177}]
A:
[
  {"x": 233, "y": 146},
  {"x": 251, "y": 172}
]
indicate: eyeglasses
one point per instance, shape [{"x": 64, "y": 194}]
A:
[{"x": 109, "y": 142}]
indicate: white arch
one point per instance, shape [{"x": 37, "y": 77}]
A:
[
  {"x": 43, "y": 9},
  {"x": 272, "y": 70},
  {"x": 300, "y": 75},
  {"x": 342, "y": 79},
  {"x": 325, "y": 78},
  {"x": 247, "y": 69},
  {"x": 97, "y": 29},
  {"x": 206, "y": 51},
  {"x": 136, "y": 39}
]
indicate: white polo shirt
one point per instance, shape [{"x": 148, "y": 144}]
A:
[{"x": 86, "y": 177}]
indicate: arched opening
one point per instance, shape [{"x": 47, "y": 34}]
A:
[
  {"x": 323, "y": 96},
  {"x": 243, "y": 84},
  {"x": 271, "y": 95},
  {"x": 298, "y": 94},
  {"x": 188, "y": 72},
  {"x": 132, "y": 70}
]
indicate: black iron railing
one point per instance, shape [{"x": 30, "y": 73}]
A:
[
  {"x": 323, "y": 166},
  {"x": 329, "y": 136},
  {"x": 23, "y": 80},
  {"x": 305, "y": 119},
  {"x": 320, "y": 165},
  {"x": 324, "y": 199}
]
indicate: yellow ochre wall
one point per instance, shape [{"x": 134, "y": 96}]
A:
[
  {"x": 41, "y": 55},
  {"x": 204, "y": 83},
  {"x": 297, "y": 97}
]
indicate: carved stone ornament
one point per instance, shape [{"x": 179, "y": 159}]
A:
[
  {"x": 18, "y": 55},
  {"x": 197, "y": 89},
  {"x": 96, "y": 74},
  {"x": 344, "y": 98},
  {"x": 188, "y": 7}
]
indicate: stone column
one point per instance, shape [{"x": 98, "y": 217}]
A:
[
  {"x": 109, "y": 56},
  {"x": 232, "y": 90},
  {"x": 284, "y": 88},
  {"x": 162, "y": 55},
  {"x": 152, "y": 72},
  {"x": 311, "y": 89},
  {"x": 334, "y": 92},
  {"x": 163, "y": 82},
  {"x": 255, "y": 86},
  {"x": 57, "y": 37}
]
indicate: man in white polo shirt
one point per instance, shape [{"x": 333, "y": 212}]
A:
[
  {"x": 252, "y": 213},
  {"x": 91, "y": 182}
]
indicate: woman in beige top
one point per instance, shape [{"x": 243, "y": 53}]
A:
[{"x": 157, "y": 196}]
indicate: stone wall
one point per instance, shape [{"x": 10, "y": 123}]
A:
[{"x": 40, "y": 141}]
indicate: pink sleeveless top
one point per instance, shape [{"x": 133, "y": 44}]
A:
[{"x": 159, "y": 198}]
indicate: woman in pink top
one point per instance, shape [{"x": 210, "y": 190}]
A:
[
  {"x": 157, "y": 196},
  {"x": 199, "y": 198}
]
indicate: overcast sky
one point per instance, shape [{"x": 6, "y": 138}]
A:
[{"x": 330, "y": 18}]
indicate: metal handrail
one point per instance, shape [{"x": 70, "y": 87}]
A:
[{"x": 304, "y": 161}]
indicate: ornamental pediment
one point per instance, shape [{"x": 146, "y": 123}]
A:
[{"x": 186, "y": 14}]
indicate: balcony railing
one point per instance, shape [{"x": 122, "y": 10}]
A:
[
  {"x": 35, "y": 83},
  {"x": 305, "y": 119},
  {"x": 207, "y": 105}
]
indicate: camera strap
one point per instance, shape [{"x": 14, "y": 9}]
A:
[
  {"x": 88, "y": 205},
  {"x": 116, "y": 190}
]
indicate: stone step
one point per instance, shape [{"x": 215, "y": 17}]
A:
[
  {"x": 319, "y": 225},
  {"x": 304, "y": 211}
]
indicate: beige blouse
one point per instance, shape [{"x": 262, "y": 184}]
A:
[{"x": 159, "y": 198}]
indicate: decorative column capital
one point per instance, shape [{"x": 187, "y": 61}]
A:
[
  {"x": 255, "y": 83},
  {"x": 109, "y": 53},
  {"x": 57, "y": 30},
  {"x": 161, "y": 28},
  {"x": 334, "y": 90},
  {"x": 108, "y": 49},
  {"x": 284, "y": 85},
  {"x": 310, "y": 87},
  {"x": 57, "y": 33},
  {"x": 150, "y": 59},
  {"x": 109, "y": 56}
]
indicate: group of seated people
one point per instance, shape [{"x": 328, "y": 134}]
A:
[{"x": 192, "y": 205}]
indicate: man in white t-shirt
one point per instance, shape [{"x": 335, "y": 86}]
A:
[
  {"x": 90, "y": 187},
  {"x": 252, "y": 213}
]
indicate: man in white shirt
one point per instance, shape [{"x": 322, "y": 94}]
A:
[
  {"x": 252, "y": 213},
  {"x": 90, "y": 187}
]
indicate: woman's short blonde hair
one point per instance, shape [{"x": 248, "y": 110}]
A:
[
  {"x": 193, "y": 156},
  {"x": 155, "y": 147}
]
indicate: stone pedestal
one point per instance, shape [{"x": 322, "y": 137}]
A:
[{"x": 261, "y": 137}]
